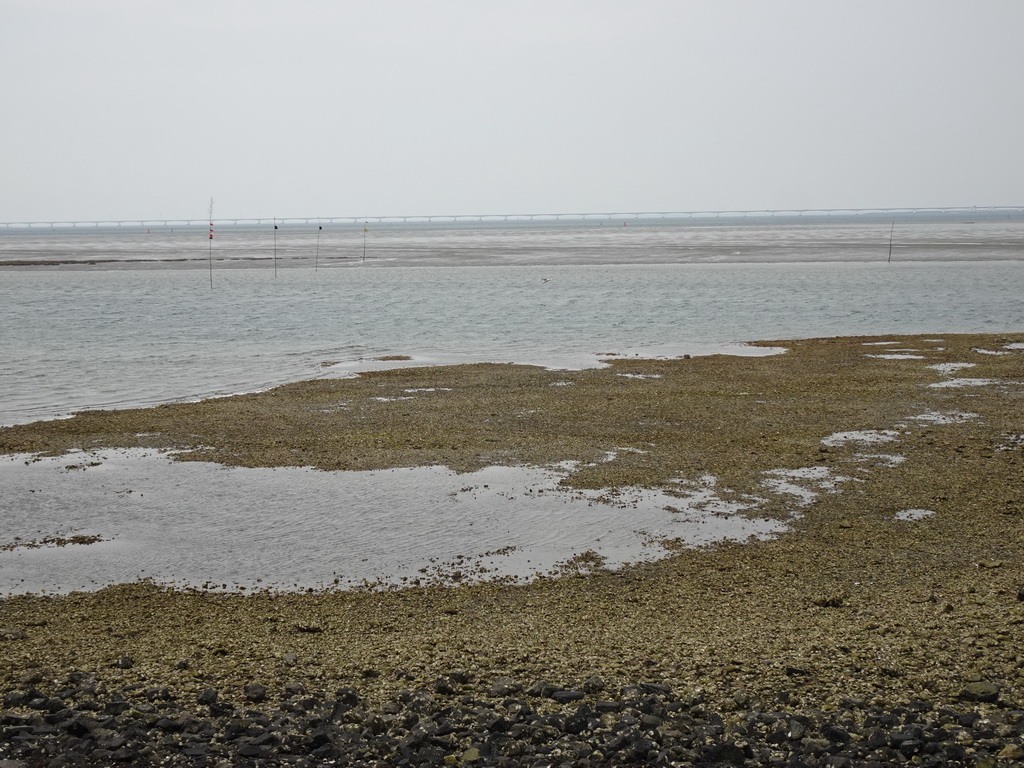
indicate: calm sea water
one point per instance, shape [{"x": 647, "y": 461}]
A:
[
  {"x": 143, "y": 325},
  {"x": 144, "y": 328}
]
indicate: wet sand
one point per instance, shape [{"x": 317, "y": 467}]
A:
[{"x": 863, "y": 598}]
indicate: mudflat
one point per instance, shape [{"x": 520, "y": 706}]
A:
[{"x": 905, "y": 583}]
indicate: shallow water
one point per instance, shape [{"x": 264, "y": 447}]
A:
[
  {"x": 111, "y": 339},
  {"x": 191, "y": 523},
  {"x": 153, "y": 330}
]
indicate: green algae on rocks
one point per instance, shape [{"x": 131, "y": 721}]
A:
[
  {"x": 731, "y": 416},
  {"x": 857, "y": 600}
]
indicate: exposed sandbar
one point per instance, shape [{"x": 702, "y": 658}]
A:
[{"x": 858, "y": 600}]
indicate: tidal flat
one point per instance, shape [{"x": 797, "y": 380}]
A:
[{"x": 899, "y": 589}]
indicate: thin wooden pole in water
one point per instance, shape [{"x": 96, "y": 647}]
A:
[
  {"x": 365, "y": 230},
  {"x": 316, "y": 261},
  {"x": 890, "y": 241},
  {"x": 211, "y": 242},
  {"x": 275, "y": 247}
]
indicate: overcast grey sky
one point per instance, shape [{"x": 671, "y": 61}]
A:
[{"x": 117, "y": 109}]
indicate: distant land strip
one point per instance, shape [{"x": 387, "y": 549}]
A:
[{"x": 1010, "y": 211}]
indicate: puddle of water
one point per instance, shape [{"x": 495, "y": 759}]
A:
[
  {"x": 962, "y": 383},
  {"x": 949, "y": 368},
  {"x": 805, "y": 483},
  {"x": 192, "y": 523},
  {"x": 911, "y": 515},
  {"x": 899, "y": 356},
  {"x": 949, "y": 417},
  {"x": 890, "y": 460},
  {"x": 989, "y": 351},
  {"x": 867, "y": 436}
]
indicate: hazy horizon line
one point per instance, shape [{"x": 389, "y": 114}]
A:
[{"x": 537, "y": 216}]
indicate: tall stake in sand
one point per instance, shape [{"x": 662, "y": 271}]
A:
[
  {"x": 890, "y": 242},
  {"x": 211, "y": 242},
  {"x": 275, "y": 247},
  {"x": 316, "y": 260}
]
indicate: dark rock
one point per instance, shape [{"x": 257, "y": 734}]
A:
[
  {"x": 115, "y": 708},
  {"x": 649, "y": 725},
  {"x": 31, "y": 677},
  {"x": 725, "y": 753},
  {"x": 835, "y": 734},
  {"x": 656, "y": 688},
  {"x": 541, "y": 689},
  {"x": 124, "y": 755},
  {"x": 253, "y": 750},
  {"x": 79, "y": 725},
  {"x": 169, "y": 725},
  {"x": 49, "y": 704},
  {"x": 875, "y": 738},
  {"x": 650, "y": 721},
  {"x": 113, "y": 742},
  {"x": 255, "y": 693},
  {"x": 565, "y": 696},
  {"x": 444, "y": 686},
  {"x": 125, "y": 662},
  {"x": 593, "y": 684},
  {"x": 158, "y": 694},
  {"x": 348, "y": 696},
  {"x": 208, "y": 697},
  {"x": 910, "y": 747}
]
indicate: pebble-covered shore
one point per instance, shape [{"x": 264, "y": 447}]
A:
[
  {"x": 454, "y": 722},
  {"x": 866, "y": 635}
]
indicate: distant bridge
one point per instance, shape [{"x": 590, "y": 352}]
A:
[{"x": 497, "y": 217}]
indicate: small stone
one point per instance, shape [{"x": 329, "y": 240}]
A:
[
  {"x": 255, "y": 693},
  {"x": 1012, "y": 752},
  {"x": 594, "y": 684},
  {"x": 470, "y": 755},
  {"x": 565, "y": 696},
  {"x": 982, "y": 691},
  {"x": 836, "y": 734},
  {"x": 504, "y": 686},
  {"x": 125, "y": 662},
  {"x": 253, "y": 750},
  {"x": 209, "y": 696}
]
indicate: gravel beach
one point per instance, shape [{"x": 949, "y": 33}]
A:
[{"x": 884, "y": 627}]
